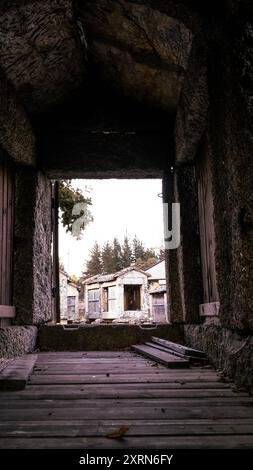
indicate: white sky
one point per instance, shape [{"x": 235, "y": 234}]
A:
[{"x": 119, "y": 207}]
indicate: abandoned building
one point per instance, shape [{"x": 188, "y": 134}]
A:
[
  {"x": 157, "y": 292},
  {"x": 118, "y": 296},
  {"x": 129, "y": 89},
  {"x": 69, "y": 298}
]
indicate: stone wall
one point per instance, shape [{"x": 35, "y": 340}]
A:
[
  {"x": 227, "y": 350},
  {"x": 102, "y": 337},
  {"x": 226, "y": 87},
  {"x": 32, "y": 247},
  {"x": 184, "y": 288},
  {"x": 16, "y": 136},
  {"x": 17, "y": 340},
  {"x": 226, "y": 64},
  {"x": 230, "y": 140}
]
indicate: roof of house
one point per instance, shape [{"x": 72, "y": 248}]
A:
[
  {"x": 110, "y": 277},
  {"x": 73, "y": 284},
  {"x": 158, "y": 290},
  {"x": 155, "y": 264}
]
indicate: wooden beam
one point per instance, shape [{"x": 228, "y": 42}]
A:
[
  {"x": 7, "y": 311},
  {"x": 56, "y": 275},
  {"x": 210, "y": 309}
]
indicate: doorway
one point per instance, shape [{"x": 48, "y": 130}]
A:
[
  {"x": 132, "y": 297},
  {"x": 111, "y": 260}
]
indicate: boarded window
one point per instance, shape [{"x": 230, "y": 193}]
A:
[
  {"x": 112, "y": 299},
  {"x": 132, "y": 297},
  {"x": 109, "y": 299},
  {"x": 93, "y": 303}
]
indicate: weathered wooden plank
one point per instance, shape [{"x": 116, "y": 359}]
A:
[
  {"x": 114, "y": 392},
  {"x": 92, "y": 363},
  {"x": 115, "y": 378},
  {"x": 78, "y": 372},
  {"x": 58, "y": 367},
  {"x": 160, "y": 356},
  {"x": 191, "y": 359},
  {"x": 163, "y": 442},
  {"x": 125, "y": 403},
  {"x": 102, "y": 354},
  {"x": 118, "y": 411},
  {"x": 17, "y": 373},
  {"x": 89, "y": 428},
  {"x": 171, "y": 387},
  {"x": 182, "y": 349}
]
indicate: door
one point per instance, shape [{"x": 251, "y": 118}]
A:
[
  {"x": 71, "y": 307},
  {"x": 206, "y": 225},
  {"x": 7, "y": 311},
  {"x": 93, "y": 304},
  {"x": 158, "y": 308}
]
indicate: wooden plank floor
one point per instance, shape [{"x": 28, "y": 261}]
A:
[{"x": 74, "y": 400}]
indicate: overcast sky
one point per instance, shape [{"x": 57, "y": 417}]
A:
[{"x": 119, "y": 207}]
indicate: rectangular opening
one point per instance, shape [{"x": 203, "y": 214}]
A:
[
  {"x": 109, "y": 294},
  {"x": 132, "y": 297},
  {"x": 119, "y": 257}
]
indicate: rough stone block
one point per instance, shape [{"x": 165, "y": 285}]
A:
[{"x": 17, "y": 340}]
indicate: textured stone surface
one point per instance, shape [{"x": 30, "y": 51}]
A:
[
  {"x": 41, "y": 51},
  {"x": 193, "y": 105},
  {"x": 221, "y": 79},
  {"x": 42, "y": 294},
  {"x": 227, "y": 350},
  {"x": 141, "y": 50},
  {"x": 102, "y": 337},
  {"x": 32, "y": 244},
  {"x": 230, "y": 138},
  {"x": 17, "y": 340},
  {"x": 190, "y": 265},
  {"x": 16, "y": 134}
]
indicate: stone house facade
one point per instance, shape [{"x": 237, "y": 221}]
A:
[{"x": 118, "y": 296}]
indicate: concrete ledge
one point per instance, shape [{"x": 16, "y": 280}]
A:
[
  {"x": 17, "y": 372},
  {"x": 227, "y": 350},
  {"x": 102, "y": 337},
  {"x": 17, "y": 340}
]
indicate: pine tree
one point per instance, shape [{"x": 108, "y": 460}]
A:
[
  {"x": 127, "y": 256},
  {"x": 150, "y": 253},
  {"x": 107, "y": 259},
  {"x": 117, "y": 255},
  {"x": 138, "y": 249},
  {"x": 94, "y": 264},
  {"x": 146, "y": 263}
]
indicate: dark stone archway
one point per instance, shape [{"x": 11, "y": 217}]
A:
[{"x": 132, "y": 88}]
